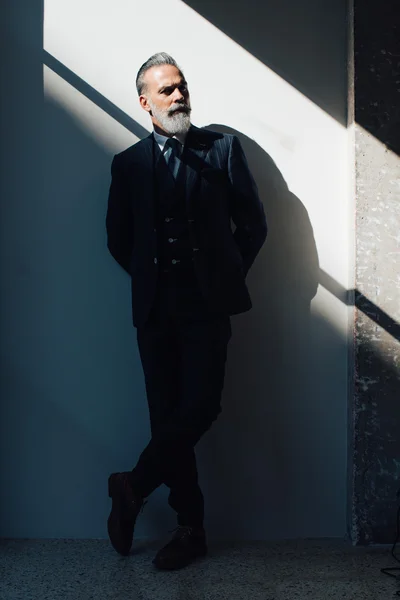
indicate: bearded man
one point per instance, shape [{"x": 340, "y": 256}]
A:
[{"x": 185, "y": 221}]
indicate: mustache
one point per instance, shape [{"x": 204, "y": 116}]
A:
[{"x": 181, "y": 108}]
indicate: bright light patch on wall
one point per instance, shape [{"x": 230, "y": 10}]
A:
[
  {"x": 105, "y": 43},
  {"x": 328, "y": 307},
  {"x": 102, "y": 128}
]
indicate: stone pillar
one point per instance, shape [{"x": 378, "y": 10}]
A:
[{"x": 375, "y": 403}]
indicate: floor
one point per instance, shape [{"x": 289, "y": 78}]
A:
[{"x": 90, "y": 570}]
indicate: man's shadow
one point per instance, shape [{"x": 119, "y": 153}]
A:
[{"x": 247, "y": 453}]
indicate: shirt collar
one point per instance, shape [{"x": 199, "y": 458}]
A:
[{"x": 162, "y": 139}]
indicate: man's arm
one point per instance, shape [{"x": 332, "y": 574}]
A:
[
  {"x": 119, "y": 219},
  {"x": 246, "y": 208}
]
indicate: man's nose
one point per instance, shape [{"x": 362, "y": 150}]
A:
[{"x": 178, "y": 96}]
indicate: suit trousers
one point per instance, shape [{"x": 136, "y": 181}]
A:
[{"x": 183, "y": 349}]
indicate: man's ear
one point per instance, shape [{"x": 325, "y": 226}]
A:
[{"x": 144, "y": 103}]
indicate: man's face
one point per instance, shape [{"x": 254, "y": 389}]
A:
[{"x": 166, "y": 98}]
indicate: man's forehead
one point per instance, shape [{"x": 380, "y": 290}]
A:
[{"x": 163, "y": 75}]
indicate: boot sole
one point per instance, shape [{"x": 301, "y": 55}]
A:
[{"x": 170, "y": 567}]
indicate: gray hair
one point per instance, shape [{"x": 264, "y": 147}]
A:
[{"x": 157, "y": 60}]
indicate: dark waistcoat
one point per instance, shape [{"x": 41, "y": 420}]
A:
[{"x": 176, "y": 247}]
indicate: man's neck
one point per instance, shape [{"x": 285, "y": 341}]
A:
[
  {"x": 161, "y": 131},
  {"x": 181, "y": 137}
]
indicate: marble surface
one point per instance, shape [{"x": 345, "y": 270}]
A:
[
  {"x": 91, "y": 570},
  {"x": 374, "y": 415}
]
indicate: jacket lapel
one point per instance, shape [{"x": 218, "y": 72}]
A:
[
  {"x": 193, "y": 158},
  {"x": 145, "y": 157},
  {"x": 146, "y": 161},
  {"x": 162, "y": 173}
]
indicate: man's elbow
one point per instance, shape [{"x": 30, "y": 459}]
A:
[
  {"x": 262, "y": 232},
  {"x": 118, "y": 255}
]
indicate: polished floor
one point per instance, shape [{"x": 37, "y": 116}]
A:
[{"x": 90, "y": 570}]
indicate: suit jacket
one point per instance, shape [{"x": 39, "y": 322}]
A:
[{"x": 219, "y": 190}]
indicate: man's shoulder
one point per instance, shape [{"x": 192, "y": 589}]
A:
[
  {"x": 206, "y": 136},
  {"x": 135, "y": 151},
  {"x": 210, "y": 136}
]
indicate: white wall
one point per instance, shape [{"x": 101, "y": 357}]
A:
[{"x": 275, "y": 463}]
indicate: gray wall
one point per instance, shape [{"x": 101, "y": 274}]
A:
[{"x": 73, "y": 405}]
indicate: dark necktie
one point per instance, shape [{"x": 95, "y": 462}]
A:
[{"x": 173, "y": 151}]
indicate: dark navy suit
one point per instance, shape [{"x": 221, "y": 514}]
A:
[{"x": 188, "y": 266}]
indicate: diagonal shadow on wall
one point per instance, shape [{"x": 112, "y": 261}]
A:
[
  {"x": 303, "y": 43},
  {"x": 349, "y": 297},
  {"x": 294, "y": 248},
  {"x": 307, "y": 46}
]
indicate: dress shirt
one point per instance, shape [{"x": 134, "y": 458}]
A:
[{"x": 162, "y": 140}]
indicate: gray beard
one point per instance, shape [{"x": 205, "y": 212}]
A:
[{"x": 174, "y": 123}]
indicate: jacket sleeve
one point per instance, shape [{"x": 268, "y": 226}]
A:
[
  {"x": 119, "y": 219},
  {"x": 247, "y": 211}
]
